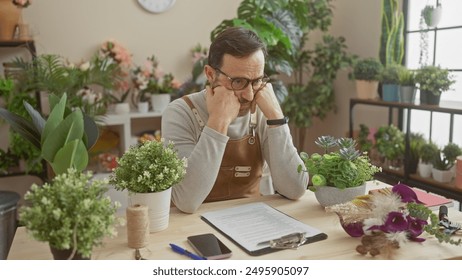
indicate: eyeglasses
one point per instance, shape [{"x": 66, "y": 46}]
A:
[{"x": 241, "y": 83}]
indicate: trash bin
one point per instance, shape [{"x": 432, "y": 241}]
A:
[{"x": 8, "y": 223}]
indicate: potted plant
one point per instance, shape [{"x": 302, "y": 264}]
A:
[
  {"x": 71, "y": 213},
  {"x": 416, "y": 141},
  {"x": 432, "y": 15},
  {"x": 340, "y": 175},
  {"x": 444, "y": 162},
  {"x": 389, "y": 141},
  {"x": 150, "y": 80},
  {"x": 148, "y": 171},
  {"x": 366, "y": 73},
  {"x": 390, "y": 82},
  {"x": 432, "y": 82},
  {"x": 407, "y": 85},
  {"x": 427, "y": 153}
]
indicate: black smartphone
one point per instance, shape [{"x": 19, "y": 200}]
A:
[{"x": 209, "y": 246}]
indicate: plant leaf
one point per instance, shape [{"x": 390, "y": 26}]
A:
[
  {"x": 72, "y": 154},
  {"x": 55, "y": 118},
  {"x": 22, "y": 126},
  {"x": 91, "y": 131},
  {"x": 71, "y": 128},
  {"x": 37, "y": 119}
]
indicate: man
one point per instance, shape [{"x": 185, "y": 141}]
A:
[{"x": 225, "y": 144}]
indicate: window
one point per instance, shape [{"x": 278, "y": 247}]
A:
[{"x": 440, "y": 45}]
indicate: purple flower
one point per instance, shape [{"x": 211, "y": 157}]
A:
[
  {"x": 406, "y": 193},
  {"x": 416, "y": 227},
  {"x": 395, "y": 222}
]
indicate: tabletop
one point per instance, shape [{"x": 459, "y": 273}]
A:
[{"x": 338, "y": 245}]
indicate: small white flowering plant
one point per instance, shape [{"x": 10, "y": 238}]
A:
[
  {"x": 71, "y": 212},
  {"x": 150, "y": 166}
]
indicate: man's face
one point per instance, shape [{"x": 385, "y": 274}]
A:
[{"x": 250, "y": 68}]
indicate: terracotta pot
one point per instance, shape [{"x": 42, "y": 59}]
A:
[
  {"x": 459, "y": 172},
  {"x": 367, "y": 89},
  {"x": 9, "y": 19}
]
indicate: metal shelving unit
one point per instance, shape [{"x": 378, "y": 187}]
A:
[{"x": 405, "y": 109}]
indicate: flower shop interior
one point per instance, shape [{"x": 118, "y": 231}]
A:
[{"x": 172, "y": 44}]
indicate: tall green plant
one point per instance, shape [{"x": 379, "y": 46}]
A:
[
  {"x": 281, "y": 25},
  {"x": 392, "y": 37}
]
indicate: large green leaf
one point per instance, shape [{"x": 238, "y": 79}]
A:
[
  {"x": 71, "y": 128},
  {"x": 91, "y": 131},
  {"x": 73, "y": 154},
  {"x": 22, "y": 126},
  {"x": 37, "y": 119},
  {"x": 55, "y": 118}
]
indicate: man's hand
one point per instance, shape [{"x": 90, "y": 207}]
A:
[
  {"x": 223, "y": 107},
  {"x": 266, "y": 100}
]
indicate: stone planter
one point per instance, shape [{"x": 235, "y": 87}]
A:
[
  {"x": 407, "y": 94},
  {"x": 328, "y": 196}
]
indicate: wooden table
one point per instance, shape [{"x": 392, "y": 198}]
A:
[{"x": 338, "y": 245}]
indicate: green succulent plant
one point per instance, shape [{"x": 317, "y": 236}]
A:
[{"x": 344, "y": 168}]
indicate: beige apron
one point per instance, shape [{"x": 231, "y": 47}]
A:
[{"x": 241, "y": 167}]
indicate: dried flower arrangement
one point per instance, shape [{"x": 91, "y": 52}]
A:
[{"x": 387, "y": 218}]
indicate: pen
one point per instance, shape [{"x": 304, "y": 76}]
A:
[{"x": 185, "y": 252}]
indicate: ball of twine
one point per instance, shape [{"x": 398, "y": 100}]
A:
[{"x": 137, "y": 226}]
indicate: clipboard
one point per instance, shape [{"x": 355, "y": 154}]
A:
[{"x": 251, "y": 227}]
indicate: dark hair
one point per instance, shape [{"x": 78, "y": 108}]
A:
[{"x": 235, "y": 41}]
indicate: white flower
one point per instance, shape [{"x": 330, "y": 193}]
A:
[{"x": 85, "y": 66}]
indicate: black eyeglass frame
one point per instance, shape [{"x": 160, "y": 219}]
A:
[{"x": 264, "y": 80}]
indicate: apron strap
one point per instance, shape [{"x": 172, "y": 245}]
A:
[{"x": 195, "y": 112}]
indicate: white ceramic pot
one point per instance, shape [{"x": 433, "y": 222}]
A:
[
  {"x": 158, "y": 204},
  {"x": 143, "y": 107},
  {"x": 328, "y": 196},
  {"x": 443, "y": 176},
  {"x": 425, "y": 170},
  {"x": 122, "y": 108},
  {"x": 160, "y": 101}
]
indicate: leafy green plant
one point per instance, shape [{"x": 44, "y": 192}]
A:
[
  {"x": 18, "y": 146},
  {"x": 451, "y": 151},
  {"x": 148, "y": 167},
  {"x": 71, "y": 212},
  {"x": 365, "y": 144},
  {"x": 344, "y": 168},
  {"x": 416, "y": 141},
  {"x": 406, "y": 77},
  {"x": 283, "y": 26},
  {"x": 51, "y": 73},
  {"x": 316, "y": 98},
  {"x": 444, "y": 159},
  {"x": 389, "y": 141},
  {"x": 7, "y": 160},
  {"x": 63, "y": 139},
  {"x": 434, "y": 79},
  {"x": 428, "y": 152},
  {"x": 367, "y": 69},
  {"x": 390, "y": 74}
]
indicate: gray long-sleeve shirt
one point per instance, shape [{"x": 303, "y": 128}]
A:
[{"x": 204, "y": 151}]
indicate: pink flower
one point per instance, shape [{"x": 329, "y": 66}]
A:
[{"x": 22, "y": 3}]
